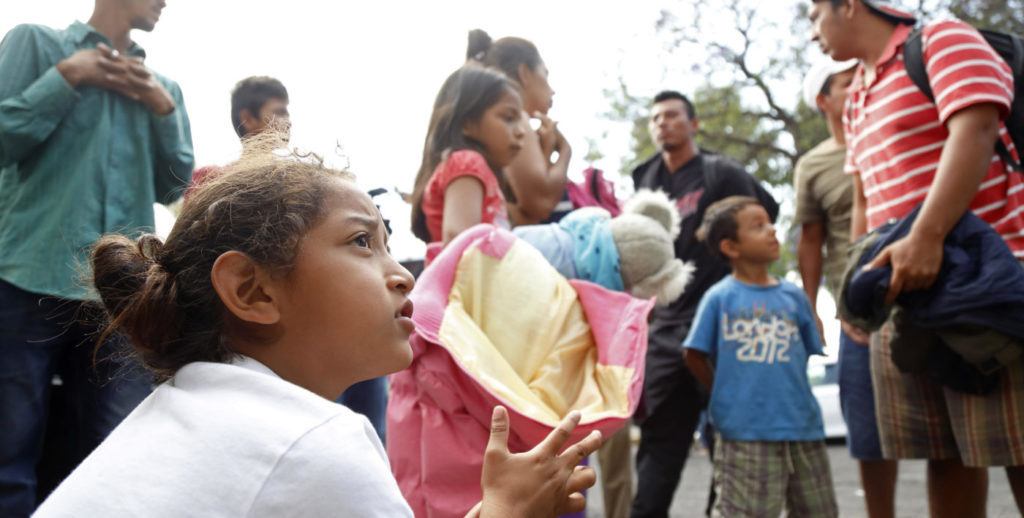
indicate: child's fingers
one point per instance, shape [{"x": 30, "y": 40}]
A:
[
  {"x": 498, "y": 442},
  {"x": 582, "y": 477},
  {"x": 575, "y": 454},
  {"x": 559, "y": 436},
  {"x": 575, "y": 503}
]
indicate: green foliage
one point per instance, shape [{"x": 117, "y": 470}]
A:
[
  {"x": 730, "y": 126},
  {"x": 742, "y": 111},
  {"x": 751, "y": 57},
  {"x": 748, "y": 102},
  {"x": 1002, "y": 15},
  {"x": 624, "y": 106},
  {"x": 593, "y": 152}
]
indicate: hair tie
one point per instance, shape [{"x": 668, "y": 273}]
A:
[{"x": 479, "y": 56}]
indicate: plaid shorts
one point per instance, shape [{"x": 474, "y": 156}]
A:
[
  {"x": 760, "y": 478},
  {"x": 920, "y": 419}
]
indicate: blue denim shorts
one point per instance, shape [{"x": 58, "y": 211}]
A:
[{"x": 857, "y": 399}]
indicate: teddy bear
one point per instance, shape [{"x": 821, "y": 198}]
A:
[{"x": 632, "y": 252}]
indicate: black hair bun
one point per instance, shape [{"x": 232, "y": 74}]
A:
[{"x": 479, "y": 44}]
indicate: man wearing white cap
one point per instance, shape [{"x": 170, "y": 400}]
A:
[
  {"x": 824, "y": 200},
  {"x": 905, "y": 151}
]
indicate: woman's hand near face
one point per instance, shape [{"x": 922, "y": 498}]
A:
[
  {"x": 540, "y": 482},
  {"x": 548, "y": 135},
  {"x": 538, "y": 183}
]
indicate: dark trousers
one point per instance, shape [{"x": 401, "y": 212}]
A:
[
  {"x": 666, "y": 435},
  {"x": 40, "y": 337},
  {"x": 369, "y": 398}
]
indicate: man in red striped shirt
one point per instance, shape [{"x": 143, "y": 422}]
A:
[{"x": 905, "y": 150}]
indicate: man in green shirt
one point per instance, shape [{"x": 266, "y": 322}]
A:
[{"x": 89, "y": 139}]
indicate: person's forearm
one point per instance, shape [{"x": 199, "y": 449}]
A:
[
  {"x": 965, "y": 160},
  {"x": 535, "y": 204},
  {"x": 697, "y": 362},
  {"x": 538, "y": 183},
  {"x": 809, "y": 261},
  {"x": 175, "y": 158},
  {"x": 858, "y": 215}
]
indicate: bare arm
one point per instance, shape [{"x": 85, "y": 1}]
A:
[
  {"x": 859, "y": 216},
  {"x": 538, "y": 183},
  {"x": 463, "y": 202},
  {"x": 697, "y": 362},
  {"x": 858, "y": 227},
  {"x": 965, "y": 160},
  {"x": 808, "y": 257}
]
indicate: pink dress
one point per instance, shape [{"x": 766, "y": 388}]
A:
[{"x": 458, "y": 164}]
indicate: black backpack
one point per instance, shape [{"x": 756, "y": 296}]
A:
[{"x": 1011, "y": 48}]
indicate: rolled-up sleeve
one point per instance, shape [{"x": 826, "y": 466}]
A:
[{"x": 34, "y": 96}]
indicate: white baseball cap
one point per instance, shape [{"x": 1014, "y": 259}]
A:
[
  {"x": 887, "y": 9},
  {"x": 819, "y": 73}
]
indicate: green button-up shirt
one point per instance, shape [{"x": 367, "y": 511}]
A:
[{"x": 76, "y": 163}]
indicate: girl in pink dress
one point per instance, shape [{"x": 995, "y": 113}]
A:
[{"x": 475, "y": 131}]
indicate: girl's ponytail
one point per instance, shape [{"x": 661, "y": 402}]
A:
[{"x": 138, "y": 293}]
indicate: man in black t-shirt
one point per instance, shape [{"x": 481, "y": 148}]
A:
[{"x": 694, "y": 179}]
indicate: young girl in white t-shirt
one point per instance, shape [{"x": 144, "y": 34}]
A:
[{"x": 273, "y": 293}]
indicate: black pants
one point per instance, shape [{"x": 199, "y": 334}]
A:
[{"x": 665, "y": 440}]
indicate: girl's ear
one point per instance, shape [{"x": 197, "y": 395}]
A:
[
  {"x": 244, "y": 288},
  {"x": 471, "y": 129}
]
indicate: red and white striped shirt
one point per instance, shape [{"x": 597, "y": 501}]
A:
[{"x": 895, "y": 135}]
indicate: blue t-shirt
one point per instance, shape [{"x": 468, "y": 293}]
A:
[{"x": 759, "y": 338}]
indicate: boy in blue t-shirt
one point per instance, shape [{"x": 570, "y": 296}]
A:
[{"x": 748, "y": 347}]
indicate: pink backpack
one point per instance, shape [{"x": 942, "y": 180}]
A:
[
  {"x": 439, "y": 411},
  {"x": 594, "y": 191}
]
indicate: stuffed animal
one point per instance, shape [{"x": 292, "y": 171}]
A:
[{"x": 632, "y": 252}]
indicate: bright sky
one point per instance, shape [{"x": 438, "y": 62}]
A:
[{"x": 363, "y": 75}]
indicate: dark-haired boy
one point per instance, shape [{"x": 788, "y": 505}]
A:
[
  {"x": 672, "y": 400},
  {"x": 257, "y": 103},
  {"x": 748, "y": 346}
]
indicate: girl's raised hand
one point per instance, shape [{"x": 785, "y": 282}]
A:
[{"x": 540, "y": 482}]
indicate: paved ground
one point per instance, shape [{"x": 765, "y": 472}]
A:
[{"x": 911, "y": 500}]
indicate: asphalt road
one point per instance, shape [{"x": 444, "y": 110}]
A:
[{"x": 911, "y": 500}]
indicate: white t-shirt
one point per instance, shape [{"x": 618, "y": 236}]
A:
[{"x": 233, "y": 440}]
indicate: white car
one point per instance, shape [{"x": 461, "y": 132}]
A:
[{"x": 824, "y": 378}]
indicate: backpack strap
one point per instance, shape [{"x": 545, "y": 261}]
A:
[
  {"x": 595, "y": 176},
  {"x": 913, "y": 60},
  {"x": 710, "y": 166}
]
